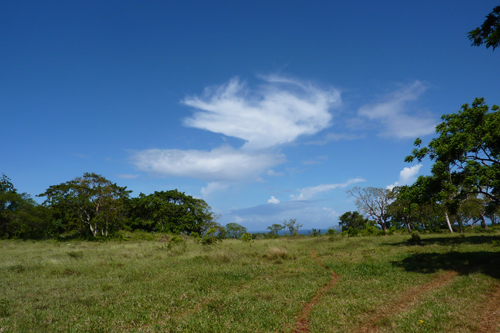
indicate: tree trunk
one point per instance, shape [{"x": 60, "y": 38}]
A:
[
  {"x": 93, "y": 230},
  {"x": 407, "y": 220},
  {"x": 448, "y": 222},
  {"x": 383, "y": 225},
  {"x": 483, "y": 221},
  {"x": 460, "y": 225}
]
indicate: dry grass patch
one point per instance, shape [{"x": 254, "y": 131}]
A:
[{"x": 277, "y": 253}]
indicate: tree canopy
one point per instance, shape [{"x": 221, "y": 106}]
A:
[
  {"x": 352, "y": 220},
  {"x": 235, "y": 230},
  {"x": 466, "y": 153},
  {"x": 92, "y": 199},
  {"x": 489, "y": 32},
  {"x": 373, "y": 202}
]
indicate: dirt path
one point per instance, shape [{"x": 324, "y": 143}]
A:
[
  {"x": 302, "y": 322},
  {"x": 491, "y": 313},
  {"x": 405, "y": 302}
]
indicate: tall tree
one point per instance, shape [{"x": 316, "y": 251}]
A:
[
  {"x": 489, "y": 32},
  {"x": 373, "y": 202},
  {"x": 275, "y": 229},
  {"x": 21, "y": 216},
  {"x": 437, "y": 192},
  {"x": 466, "y": 153},
  {"x": 10, "y": 201},
  {"x": 403, "y": 208},
  {"x": 292, "y": 225},
  {"x": 92, "y": 199}
]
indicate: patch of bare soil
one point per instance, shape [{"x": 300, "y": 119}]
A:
[
  {"x": 490, "y": 321},
  {"x": 405, "y": 302},
  {"x": 302, "y": 322}
]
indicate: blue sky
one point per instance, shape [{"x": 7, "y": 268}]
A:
[{"x": 268, "y": 110}]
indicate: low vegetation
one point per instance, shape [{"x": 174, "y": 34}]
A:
[{"x": 330, "y": 283}]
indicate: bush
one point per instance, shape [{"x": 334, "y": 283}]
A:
[
  {"x": 415, "y": 238},
  {"x": 391, "y": 230},
  {"x": 370, "y": 230},
  {"x": 352, "y": 232},
  {"x": 247, "y": 237},
  {"x": 210, "y": 237}
]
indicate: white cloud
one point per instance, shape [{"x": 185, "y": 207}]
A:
[
  {"x": 392, "y": 113},
  {"x": 309, "y": 192},
  {"x": 406, "y": 176},
  {"x": 276, "y": 113},
  {"x": 224, "y": 164},
  {"x": 273, "y": 200},
  {"x": 272, "y": 173}
]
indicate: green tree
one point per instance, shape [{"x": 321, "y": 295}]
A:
[
  {"x": 403, "y": 209},
  {"x": 489, "y": 32},
  {"x": 10, "y": 202},
  {"x": 92, "y": 199},
  {"x": 171, "y": 211},
  {"x": 234, "y": 230},
  {"x": 432, "y": 193},
  {"x": 21, "y": 216},
  {"x": 373, "y": 202},
  {"x": 466, "y": 154},
  {"x": 352, "y": 220},
  {"x": 292, "y": 225},
  {"x": 275, "y": 229}
]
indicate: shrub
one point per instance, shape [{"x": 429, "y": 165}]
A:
[
  {"x": 391, "y": 230},
  {"x": 352, "y": 232},
  {"x": 370, "y": 230},
  {"x": 210, "y": 237},
  {"x": 415, "y": 238},
  {"x": 247, "y": 237}
]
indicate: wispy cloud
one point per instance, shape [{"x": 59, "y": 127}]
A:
[
  {"x": 220, "y": 164},
  {"x": 393, "y": 113},
  {"x": 309, "y": 192},
  {"x": 406, "y": 176},
  {"x": 273, "y": 173},
  {"x": 275, "y": 113}
]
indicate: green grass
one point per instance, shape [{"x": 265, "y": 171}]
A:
[{"x": 262, "y": 286}]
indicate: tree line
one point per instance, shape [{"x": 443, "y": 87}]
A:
[
  {"x": 464, "y": 186},
  {"x": 92, "y": 206},
  {"x": 462, "y": 190}
]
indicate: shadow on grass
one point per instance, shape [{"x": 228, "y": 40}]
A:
[
  {"x": 464, "y": 263},
  {"x": 452, "y": 240}
]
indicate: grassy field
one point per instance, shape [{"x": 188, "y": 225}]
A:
[{"x": 444, "y": 283}]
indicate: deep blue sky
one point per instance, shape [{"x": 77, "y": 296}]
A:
[{"x": 241, "y": 103}]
